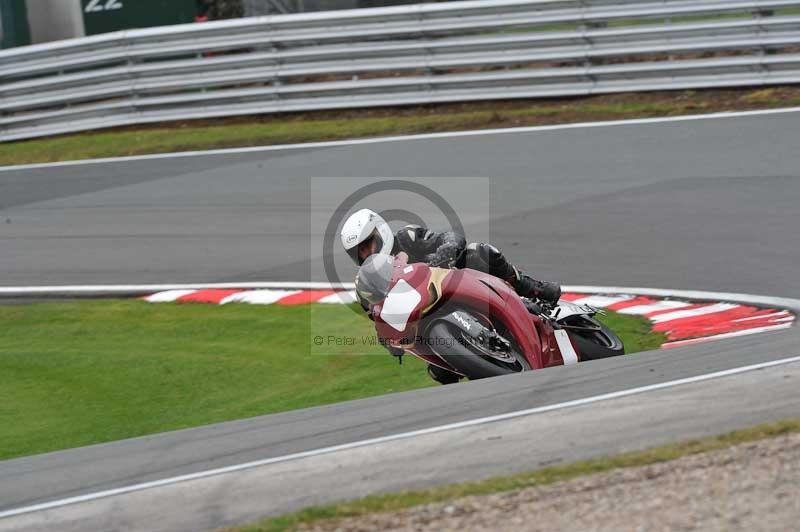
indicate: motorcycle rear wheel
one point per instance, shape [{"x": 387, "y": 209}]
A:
[{"x": 594, "y": 345}]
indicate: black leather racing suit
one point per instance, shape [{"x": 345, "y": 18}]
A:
[{"x": 450, "y": 249}]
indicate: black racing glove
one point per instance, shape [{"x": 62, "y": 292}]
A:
[{"x": 445, "y": 256}]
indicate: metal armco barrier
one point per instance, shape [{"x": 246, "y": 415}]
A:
[{"x": 425, "y": 53}]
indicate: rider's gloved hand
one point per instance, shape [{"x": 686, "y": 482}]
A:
[{"x": 445, "y": 256}]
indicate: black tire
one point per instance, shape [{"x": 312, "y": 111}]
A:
[
  {"x": 447, "y": 341},
  {"x": 595, "y": 345},
  {"x": 443, "y": 376}
]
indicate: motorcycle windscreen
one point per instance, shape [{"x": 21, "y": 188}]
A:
[{"x": 374, "y": 278}]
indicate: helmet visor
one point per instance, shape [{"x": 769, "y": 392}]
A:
[{"x": 370, "y": 245}]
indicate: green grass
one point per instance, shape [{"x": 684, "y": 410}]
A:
[
  {"x": 78, "y": 373},
  {"x": 278, "y": 131},
  {"x": 635, "y": 333},
  {"x": 309, "y": 127},
  {"x": 542, "y": 477}
]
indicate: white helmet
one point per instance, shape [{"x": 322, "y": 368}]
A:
[{"x": 363, "y": 226}]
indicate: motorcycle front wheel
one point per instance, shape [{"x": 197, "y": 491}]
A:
[{"x": 471, "y": 360}]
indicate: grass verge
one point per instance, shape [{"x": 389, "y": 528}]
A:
[
  {"x": 550, "y": 475},
  {"x": 328, "y": 125},
  {"x": 85, "y": 372}
]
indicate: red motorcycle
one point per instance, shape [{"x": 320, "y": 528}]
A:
[{"x": 473, "y": 323}]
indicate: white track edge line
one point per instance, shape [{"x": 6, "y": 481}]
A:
[
  {"x": 403, "y": 435},
  {"x": 402, "y": 138}
]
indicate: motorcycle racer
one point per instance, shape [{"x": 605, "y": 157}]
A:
[{"x": 365, "y": 233}]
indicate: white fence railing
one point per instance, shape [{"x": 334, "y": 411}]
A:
[{"x": 425, "y": 53}]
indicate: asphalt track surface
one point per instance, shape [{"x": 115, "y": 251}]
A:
[{"x": 707, "y": 204}]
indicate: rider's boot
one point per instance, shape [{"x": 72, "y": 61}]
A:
[
  {"x": 486, "y": 257},
  {"x": 442, "y": 376},
  {"x": 527, "y": 286}
]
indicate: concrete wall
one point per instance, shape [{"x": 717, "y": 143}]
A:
[{"x": 52, "y": 20}]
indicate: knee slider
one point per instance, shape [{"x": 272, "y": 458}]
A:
[{"x": 491, "y": 255}]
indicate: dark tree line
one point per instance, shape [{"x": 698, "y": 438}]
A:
[{"x": 220, "y": 9}]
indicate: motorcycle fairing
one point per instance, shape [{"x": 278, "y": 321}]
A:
[
  {"x": 406, "y": 306},
  {"x": 503, "y": 301},
  {"x": 399, "y": 305},
  {"x": 488, "y": 295},
  {"x": 426, "y": 290},
  {"x": 565, "y": 309},
  {"x": 568, "y": 353}
]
